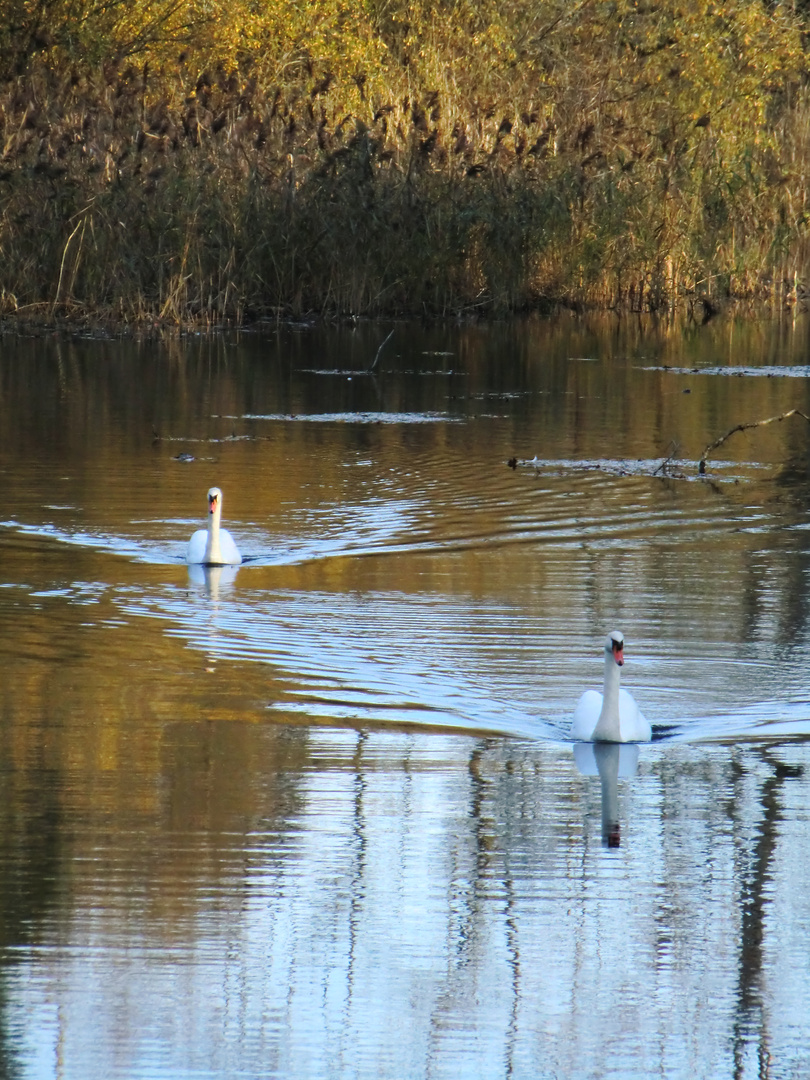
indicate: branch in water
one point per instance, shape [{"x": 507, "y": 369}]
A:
[
  {"x": 662, "y": 468},
  {"x": 377, "y": 357},
  {"x": 745, "y": 427}
]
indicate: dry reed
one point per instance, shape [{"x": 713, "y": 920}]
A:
[{"x": 227, "y": 197}]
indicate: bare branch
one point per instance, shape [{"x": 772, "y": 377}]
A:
[
  {"x": 673, "y": 450},
  {"x": 745, "y": 427},
  {"x": 377, "y": 357}
]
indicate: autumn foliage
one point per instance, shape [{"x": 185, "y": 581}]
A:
[{"x": 196, "y": 161}]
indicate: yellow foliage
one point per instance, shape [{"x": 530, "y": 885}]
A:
[{"x": 552, "y": 142}]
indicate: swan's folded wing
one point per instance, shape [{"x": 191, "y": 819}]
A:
[
  {"x": 228, "y": 548},
  {"x": 195, "y": 552},
  {"x": 586, "y": 715},
  {"x": 635, "y": 727}
]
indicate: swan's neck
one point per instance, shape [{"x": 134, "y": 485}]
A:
[
  {"x": 213, "y": 552},
  {"x": 607, "y": 726}
]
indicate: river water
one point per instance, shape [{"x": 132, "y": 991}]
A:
[{"x": 321, "y": 816}]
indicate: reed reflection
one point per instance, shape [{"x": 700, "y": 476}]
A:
[
  {"x": 751, "y": 1016},
  {"x": 609, "y": 761}
]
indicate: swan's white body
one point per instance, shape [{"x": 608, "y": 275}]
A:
[
  {"x": 613, "y": 715},
  {"x": 213, "y": 546}
]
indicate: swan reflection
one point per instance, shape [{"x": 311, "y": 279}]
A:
[
  {"x": 609, "y": 761},
  {"x": 212, "y": 578},
  {"x": 214, "y": 582}
]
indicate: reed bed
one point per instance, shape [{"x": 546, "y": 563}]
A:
[{"x": 224, "y": 194}]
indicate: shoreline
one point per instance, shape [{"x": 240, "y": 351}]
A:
[{"x": 687, "y": 313}]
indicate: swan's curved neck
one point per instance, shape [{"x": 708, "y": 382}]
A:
[
  {"x": 607, "y": 726},
  {"x": 213, "y": 552}
]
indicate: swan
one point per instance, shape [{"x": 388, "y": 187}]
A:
[
  {"x": 613, "y": 715},
  {"x": 213, "y": 546}
]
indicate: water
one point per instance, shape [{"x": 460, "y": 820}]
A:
[{"x": 320, "y": 815}]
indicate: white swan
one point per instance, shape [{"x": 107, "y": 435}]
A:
[
  {"x": 613, "y": 715},
  {"x": 213, "y": 546}
]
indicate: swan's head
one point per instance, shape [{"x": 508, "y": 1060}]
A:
[
  {"x": 214, "y": 500},
  {"x": 614, "y": 646}
]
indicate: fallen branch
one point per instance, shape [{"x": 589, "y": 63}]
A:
[
  {"x": 377, "y": 357},
  {"x": 745, "y": 427},
  {"x": 673, "y": 450}
]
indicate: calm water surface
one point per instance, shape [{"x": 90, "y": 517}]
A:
[{"x": 320, "y": 816}]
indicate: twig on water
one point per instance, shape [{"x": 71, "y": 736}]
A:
[
  {"x": 745, "y": 427},
  {"x": 673, "y": 450},
  {"x": 377, "y": 357}
]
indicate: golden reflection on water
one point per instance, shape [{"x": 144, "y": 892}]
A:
[{"x": 282, "y": 813}]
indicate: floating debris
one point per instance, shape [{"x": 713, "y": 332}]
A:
[
  {"x": 668, "y": 468},
  {"x": 357, "y": 418},
  {"x": 767, "y": 371}
]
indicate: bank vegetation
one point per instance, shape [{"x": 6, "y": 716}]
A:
[{"x": 186, "y": 161}]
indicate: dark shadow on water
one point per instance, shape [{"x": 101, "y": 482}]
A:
[
  {"x": 751, "y": 1022},
  {"x": 31, "y": 853},
  {"x": 662, "y": 732}
]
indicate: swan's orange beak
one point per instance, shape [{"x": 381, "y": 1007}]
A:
[
  {"x": 212, "y": 502},
  {"x": 618, "y": 654}
]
